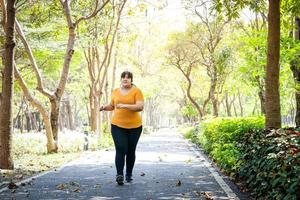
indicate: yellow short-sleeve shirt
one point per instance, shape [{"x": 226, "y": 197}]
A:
[{"x": 125, "y": 118}]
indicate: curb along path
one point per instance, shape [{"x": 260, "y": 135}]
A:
[{"x": 167, "y": 167}]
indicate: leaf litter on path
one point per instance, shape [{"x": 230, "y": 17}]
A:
[{"x": 71, "y": 186}]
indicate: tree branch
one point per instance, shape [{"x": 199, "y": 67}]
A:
[
  {"x": 40, "y": 86},
  {"x": 94, "y": 13}
]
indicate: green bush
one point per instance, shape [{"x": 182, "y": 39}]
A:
[
  {"x": 227, "y": 130},
  {"x": 220, "y": 138},
  {"x": 271, "y": 164},
  {"x": 191, "y": 133},
  {"x": 268, "y": 162}
]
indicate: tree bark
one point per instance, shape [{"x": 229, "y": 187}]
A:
[
  {"x": 6, "y": 121},
  {"x": 273, "y": 116},
  {"x": 70, "y": 115},
  {"x": 188, "y": 92},
  {"x": 240, "y": 103}
]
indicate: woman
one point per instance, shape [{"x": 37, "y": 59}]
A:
[{"x": 126, "y": 124}]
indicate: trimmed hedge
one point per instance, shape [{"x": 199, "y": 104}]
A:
[
  {"x": 267, "y": 162},
  {"x": 220, "y": 138}
]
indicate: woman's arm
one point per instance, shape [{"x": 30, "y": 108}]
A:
[
  {"x": 137, "y": 107},
  {"x": 107, "y": 107}
]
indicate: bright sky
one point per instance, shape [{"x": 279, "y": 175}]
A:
[
  {"x": 172, "y": 15},
  {"x": 174, "y": 12}
]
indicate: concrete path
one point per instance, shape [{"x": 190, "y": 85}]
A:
[{"x": 167, "y": 167}]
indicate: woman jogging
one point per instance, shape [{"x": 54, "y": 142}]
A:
[{"x": 126, "y": 124}]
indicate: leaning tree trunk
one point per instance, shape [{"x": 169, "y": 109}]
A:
[
  {"x": 188, "y": 92},
  {"x": 51, "y": 146},
  {"x": 295, "y": 67},
  {"x": 273, "y": 116},
  {"x": 6, "y": 121}
]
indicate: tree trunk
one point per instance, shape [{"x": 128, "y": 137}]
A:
[
  {"x": 254, "y": 108},
  {"x": 70, "y": 115},
  {"x": 295, "y": 67},
  {"x": 228, "y": 105},
  {"x": 94, "y": 110},
  {"x": 240, "y": 103},
  {"x": 54, "y": 120},
  {"x": 51, "y": 146},
  {"x": 261, "y": 95},
  {"x": 17, "y": 119},
  {"x": 33, "y": 121},
  {"x": 273, "y": 116},
  {"x": 188, "y": 92},
  {"x": 6, "y": 121},
  {"x": 28, "y": 121}
]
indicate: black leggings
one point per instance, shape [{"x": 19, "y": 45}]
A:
[{"x": 125, "y": 143}]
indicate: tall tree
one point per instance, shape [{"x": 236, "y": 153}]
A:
[
  {"x": 295, "y": 67},
  {"x": 6, "y": 122},
  {"x": 272, "y": 95},
  {"x": 99, "y": 60},
  {"x": 185, "y": 58},
  {"x": 209, "y": 33},
  {"x": 273, "y": 116},
  {"x": 56, "y": 96}
]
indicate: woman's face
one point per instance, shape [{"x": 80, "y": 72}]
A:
[{"x": 126, "y": 81}]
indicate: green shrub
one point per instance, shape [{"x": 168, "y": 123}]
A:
[
  {"x": 268, "y": 162},
  {"x": 191, "y": 133},
  {"x": 220, "y": 138},
  {"x": 271, "y": 164},
  {"x": 227, "y": 156},
  {"x": 227, "y": 130}
]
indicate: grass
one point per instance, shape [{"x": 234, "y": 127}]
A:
[{"x": 30, "y": 153}]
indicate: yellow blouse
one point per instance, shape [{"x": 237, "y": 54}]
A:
[{"x": 125, "y": 118}]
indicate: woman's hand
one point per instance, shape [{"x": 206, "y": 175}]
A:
[
  {"x": 139, "y": 106},
  {"x": 102, "y": 108},
  {"x": 107, "y": 107},
  {"x": 121, "y": 105}
]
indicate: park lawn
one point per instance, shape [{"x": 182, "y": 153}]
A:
[
  {"x": 30, "y": 156},
  {"x": 31, "y": 164}
]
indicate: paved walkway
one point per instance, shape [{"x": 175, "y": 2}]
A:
[{"x": 167, "y": 167}]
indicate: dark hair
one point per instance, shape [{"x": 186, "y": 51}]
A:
[{"x": 128, "y": 73}]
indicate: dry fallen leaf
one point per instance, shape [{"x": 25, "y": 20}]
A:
[
  {"x": 76, "y": 190},
  {"x": 12, "y": 186},
  {"x": 20, "y": 176},
  {"x": 207, "y": 195},
  {"x": 61, "y": 186}
]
